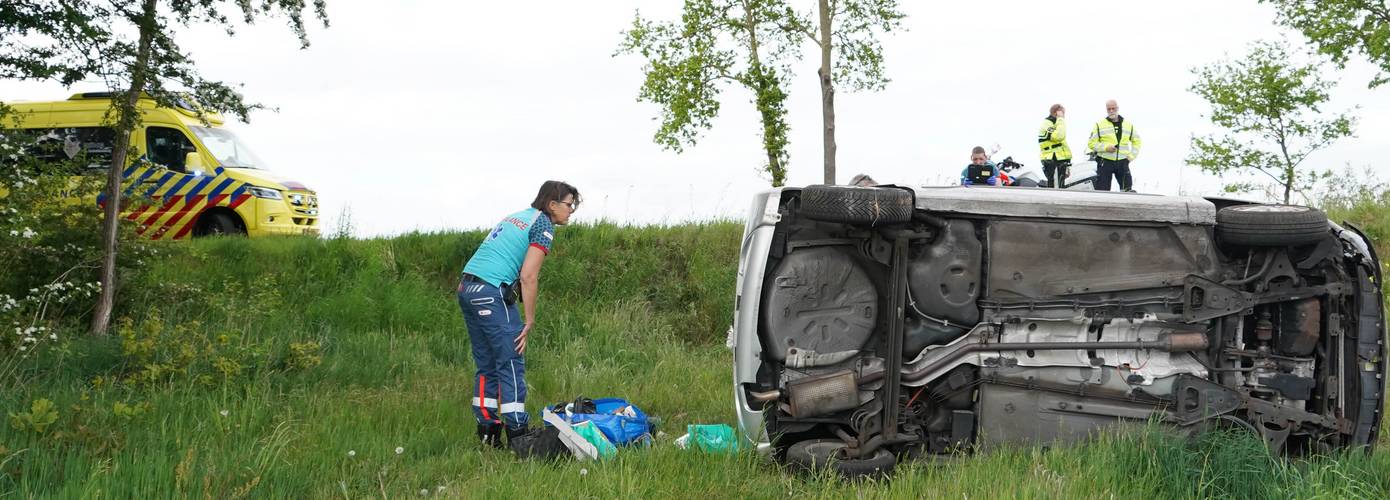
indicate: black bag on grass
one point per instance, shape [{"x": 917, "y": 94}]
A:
[{"x": 543, "y": 443}]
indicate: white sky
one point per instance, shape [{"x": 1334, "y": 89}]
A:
[{"x": 435, "y": 115}]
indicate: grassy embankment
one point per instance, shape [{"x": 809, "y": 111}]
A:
[{"x": 380, "y": 360}]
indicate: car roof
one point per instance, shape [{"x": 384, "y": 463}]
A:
[{"x": 1066, "y": 204}]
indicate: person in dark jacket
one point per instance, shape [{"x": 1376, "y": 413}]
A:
[{"x": 982, "y": 171}]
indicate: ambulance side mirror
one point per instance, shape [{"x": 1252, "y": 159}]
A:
[{"x": 193, "y": 162}]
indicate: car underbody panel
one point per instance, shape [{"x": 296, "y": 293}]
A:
[{"x": 1008, "y": 316}]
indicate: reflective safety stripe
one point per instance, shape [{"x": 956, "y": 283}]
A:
[
  {"x": 482, "y": 384},
  {"x": 513, "y": 408},
  {"x": 487, "y": 402}
]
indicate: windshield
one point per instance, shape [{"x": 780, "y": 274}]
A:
[{"x": 228, "y": 150}]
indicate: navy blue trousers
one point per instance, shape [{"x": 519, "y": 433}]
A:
[{"x": 500, "y": 381}]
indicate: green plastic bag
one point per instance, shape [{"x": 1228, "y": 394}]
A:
[
  {"x": 595, "y": 437},
  {"x": 713, "y": 437}
]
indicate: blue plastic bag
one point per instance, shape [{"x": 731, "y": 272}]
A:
[{"x": 620, "y": 429}]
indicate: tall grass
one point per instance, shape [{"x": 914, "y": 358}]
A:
[{"x": 624, "y": 311}]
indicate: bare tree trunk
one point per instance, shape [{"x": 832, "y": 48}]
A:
[
  {"x": 827, "y": 92},
  {"x": 127, "y": 118},
  {"x": 1287, "y": 166},
  {"x": 1288, "y": 184}
]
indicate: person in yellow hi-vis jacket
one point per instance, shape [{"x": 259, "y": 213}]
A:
[
  {"x": 1116, "y": 145},
  {"x": 1052, "y": 141}
]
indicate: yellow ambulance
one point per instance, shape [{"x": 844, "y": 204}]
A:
[{"x": 195, "y": 178}]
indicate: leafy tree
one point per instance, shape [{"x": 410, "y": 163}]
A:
[
  {"x": 1342, "y": 29},
  {"x": 1268, "y": 108},
  {"x": 130, "y": 46},
  {"x": 48, "y": 249},
  {"x": 753, "y": 44},
  {"x": 716, "y": 43},
  {"x": 850, "y": 28}
]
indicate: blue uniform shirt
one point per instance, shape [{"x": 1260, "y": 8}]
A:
[{"x": 498, "y": 260}]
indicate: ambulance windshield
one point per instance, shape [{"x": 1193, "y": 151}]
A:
[{"x": 229, "y": 150}]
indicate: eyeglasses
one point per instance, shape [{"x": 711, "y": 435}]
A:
[{"x": 574, "y": 205}]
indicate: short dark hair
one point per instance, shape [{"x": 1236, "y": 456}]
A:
[
  {"x": 979, "y": 150},
  {"x": 553, "y": 191},
  {"x": 1053, "y": 110}
]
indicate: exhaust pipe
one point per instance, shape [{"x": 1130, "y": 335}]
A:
[{"x": 1166, "y": 342}]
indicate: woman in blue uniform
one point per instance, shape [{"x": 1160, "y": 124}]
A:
[{"x": 506, "y": 267}]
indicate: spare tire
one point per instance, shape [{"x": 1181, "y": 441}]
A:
[
  {"x": 856, "y": 205},
  {"x": 1270, "y": 225},
  {"x": 818, "y": 454}
]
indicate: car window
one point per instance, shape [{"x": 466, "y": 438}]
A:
[{"x": 168, "y": 147}]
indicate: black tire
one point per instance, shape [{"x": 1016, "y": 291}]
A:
[
  {"x": 817, "y": 454},
  {"x": 219, "y": 224},
  {"x": 1270, "y": 225},
  {"x": 856, "y": 205}
]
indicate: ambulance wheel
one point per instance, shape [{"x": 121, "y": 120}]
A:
[
  {"x": 219, "y": 224},
  {"x": 856, "y": 205},
  {"x": 1270, "y": 225}
]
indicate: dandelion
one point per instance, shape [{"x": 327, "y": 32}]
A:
[
  {"x": 424, "y": 492},
  {"x": 352, "y": 453},
  {"x": 583, "y": 472},
  {"x": 224, "y": 413},
  {"x": 400, "y": 450}
]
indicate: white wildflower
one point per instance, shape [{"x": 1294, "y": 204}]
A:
[
  {"x": 29, "y": 233},
  {"x": 424, "y": 492},
  {"x": 352, "y": 453},
  {"x": 400, "y": 450},
  {"x": 52, "y": 336},
  {"x": 440, "y": 489},
  {"x": 14, "y": 233},
  {"x": 23, "y": 348},
  {"x": 224, "y": 413},
  {"x": 583, "y": 472}
]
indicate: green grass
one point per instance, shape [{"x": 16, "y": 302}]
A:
[{"x": 633, "y": 312}]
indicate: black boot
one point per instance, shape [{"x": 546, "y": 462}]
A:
[
  {"x": 490, "y": 434},
  {"x": 516, "y": 432}
]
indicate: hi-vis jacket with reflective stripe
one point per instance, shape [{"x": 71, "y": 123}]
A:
[
  {"x": 1052, "y": 139},
  {"x": 1104, "y": 135}
]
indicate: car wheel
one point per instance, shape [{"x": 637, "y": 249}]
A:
[
  {"x": 818, "y": 454},
  {"x": 219, "y": 224},
  {"x": 856, "y": 205},
  {"x": 1270, "y": 225}
]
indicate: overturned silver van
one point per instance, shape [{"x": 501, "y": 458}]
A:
[{"x": 876, "y": 324}]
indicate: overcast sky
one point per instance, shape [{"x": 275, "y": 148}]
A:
[{"x": 436, "y": 115}]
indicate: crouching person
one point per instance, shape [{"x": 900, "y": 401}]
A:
[{"x": 506, "y": 267}]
